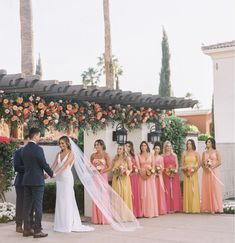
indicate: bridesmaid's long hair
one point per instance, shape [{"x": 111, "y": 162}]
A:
[
  {"x": 148, "y": 149},
  {"x": 193, "y": 144},
  {"x": 132, "y": 152},
  {"x": 66, "y": 140},
  {"x": 125, "y": 157},
  {"x": 213, "y": 143},
  {"x": 164, "y": 147}
]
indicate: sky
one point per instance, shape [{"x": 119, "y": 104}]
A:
[{"x": 69, "y": 35}]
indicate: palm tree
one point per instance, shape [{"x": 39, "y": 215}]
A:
[
  {"x": 117, "y": 70},
  {"x": 108, "y": 49},
  {"x": 26, "y": 23},
  {"x": 90, "y": 77}
]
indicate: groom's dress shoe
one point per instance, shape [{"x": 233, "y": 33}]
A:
[
  {"x": 19, "y": 229},
  {"x": 40, "y": 235},
  {"x": 28, "y": 233}
]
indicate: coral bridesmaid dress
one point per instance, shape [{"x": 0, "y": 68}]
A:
[
  {"x": 160, "y": 187},
  {"x": 211, "y": 188},
  {"x": 148, "y": 192},
  {"x": 97, "y": 216}
]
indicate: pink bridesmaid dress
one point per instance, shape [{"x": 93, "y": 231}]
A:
[
  {"x": 211, "y": 188},
  {"x": 135, "y": 186},
  {"x": 173, "y": 192},
  {"x": 148, "y": 194},
  {"x": 160, "y": 187},
  {"x": 97, "y": 216}
]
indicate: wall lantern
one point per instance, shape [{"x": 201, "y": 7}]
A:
[
  {"x": 120, "y": 135},
  {"x": 155, "y": 133}
]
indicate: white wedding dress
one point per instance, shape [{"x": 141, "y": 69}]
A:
[{"x": 67, "y": 217}]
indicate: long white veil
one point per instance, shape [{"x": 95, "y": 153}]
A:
[{"x": 115, "y": 210}]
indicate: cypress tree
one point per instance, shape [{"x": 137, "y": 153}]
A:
[{"x": 165, "y": 84}]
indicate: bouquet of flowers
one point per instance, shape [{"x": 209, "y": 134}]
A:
[
  {"x": 134, "y": 169},
  {"x": 189, "y": 170},
  {"x": 150, "y": 171},
  {"x": 121, "y": 171},
  {"x": 158, "y": 170},
  {"x": 208, "y": 164},
  {"x": 170, "y": 171},
  {"x": 99, "y": 165}
]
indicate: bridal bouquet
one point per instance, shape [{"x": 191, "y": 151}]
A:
[
  {"x": 170, "y": 171},
  {"x": 208, "y": 164},
  {"x": 150, "y": 171},
  {"x": 158, "y": 170}
]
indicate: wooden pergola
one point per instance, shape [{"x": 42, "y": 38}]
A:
[{"x": 23, "y": 84}]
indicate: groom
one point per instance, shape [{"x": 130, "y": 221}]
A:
[{"x": 33, "y": 181}]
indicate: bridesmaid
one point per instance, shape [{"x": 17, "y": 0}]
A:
[
  {"x": 134, "y": 179},
  {"x": 160, "y": 187},
  {"x": 171, "y": 180},
  {"x": 211, "y": 184},
  {"x": 148, "y": 192},
  {"x": 121, "y": 182},
  {"x": 101, "y": 161},
  {"x": 190, "y": 165}
]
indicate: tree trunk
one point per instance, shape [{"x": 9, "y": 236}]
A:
[
  {"x": 26, "y": 23},
  {"x": 108, "y": 49}
]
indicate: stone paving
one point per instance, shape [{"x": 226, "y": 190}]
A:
[{"x": 172, "y": 228}]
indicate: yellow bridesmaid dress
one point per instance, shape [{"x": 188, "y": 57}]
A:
[
  {"x": 122, "y": 185},
  {"x": 191, "y": 192}
]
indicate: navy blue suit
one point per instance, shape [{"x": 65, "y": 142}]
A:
[
  {"x": 19, "y": 188},
  {"x": 33, "y": 180}
]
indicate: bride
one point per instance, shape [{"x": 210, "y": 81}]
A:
[{"x": 67, "y": 217}]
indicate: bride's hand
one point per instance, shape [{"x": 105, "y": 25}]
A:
[{"x": 46, "y": 176}]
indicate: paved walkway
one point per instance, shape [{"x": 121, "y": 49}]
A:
[{"x": 180, "y": 228}]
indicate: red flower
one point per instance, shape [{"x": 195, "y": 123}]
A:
[
  {"x": 82, "y": 109},
  {"x": 5, "y": 140}
]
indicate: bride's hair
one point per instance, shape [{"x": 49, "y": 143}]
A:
[{"x": 66, "y": 140}]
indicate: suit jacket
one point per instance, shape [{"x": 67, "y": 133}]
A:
[
  {"x": 34, "y": 164},
  {"x": 18, "y": 167}
]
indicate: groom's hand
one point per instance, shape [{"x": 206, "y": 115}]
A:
[{"x": 45, "y": 176}]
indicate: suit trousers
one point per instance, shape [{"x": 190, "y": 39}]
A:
[
  {"x": 19, "y": 204},
  {"x": 33, "y": 199}
]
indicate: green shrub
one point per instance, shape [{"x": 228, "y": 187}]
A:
[
  {"x": 7, "y": 149},
  {"x": 203, "y": 137},
  {"x": 50, "y": 197},
  {"x": 175, "y": 132}
]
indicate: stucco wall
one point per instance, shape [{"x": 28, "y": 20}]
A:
[{"x": 224, "y": 98}]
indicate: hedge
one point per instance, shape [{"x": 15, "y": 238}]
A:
[{"x": 50, "y": 197}]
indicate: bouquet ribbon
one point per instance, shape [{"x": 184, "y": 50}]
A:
[
  {"x": 171, "y": 188},
  {"x": 220, "y": 182},
  {"x": 191, "y": 181},
  {"x": 162, "y": 184}
]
